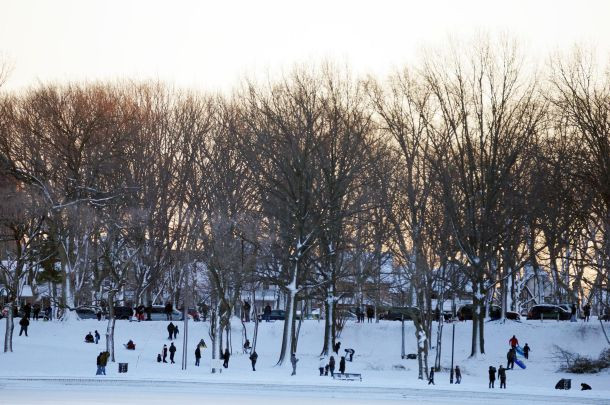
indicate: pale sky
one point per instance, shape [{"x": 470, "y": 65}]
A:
[{"x": 213, "y": 44}]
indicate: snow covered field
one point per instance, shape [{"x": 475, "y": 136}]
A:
[{"x": 54, "y": 365}]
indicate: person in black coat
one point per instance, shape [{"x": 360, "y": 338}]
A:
[
  {"x": 370, "y": 314},
  {"x": 24, "y": 326},
  {"x": 331, "y": 366},
  {"x": 526, "y": 351},
  {"x": 502, "y": 376},
  {"x": 253, "y": 358},
  {"x": 89, "y": 338},
  {"x": 337, "y": 347},
  {"x": 36, "y": 311},
  {"x": 175, "y": 331},
  {"x": 247, "y": 311},
  {"x": 510, "y": 358},
  {"x": 267, "y": 313},
  {"x": 170, "y": 330},
  {"x": 431, "y": 378},
  {"x": 342, "y": 365},
  {"x": 197, "y": 355},
  {"x": 164, "y": 353},
  {"x": 458, "y": 375},
  {"x": 492, "y": 376},
  {"x": 99, "y": 364},
  {"x": 586, "y": 311},
  {"x": 350, "y": 352},
  {"x": 226, "y": 357},
  {"x": 27, "y": 310},
  {"x": 168, "y": 310},
  {"x": 172, "y": 351}
]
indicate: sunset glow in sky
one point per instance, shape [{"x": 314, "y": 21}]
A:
[{"x": 212, "y": 45}]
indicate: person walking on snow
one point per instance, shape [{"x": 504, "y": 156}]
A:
[
  {"x": 586, "y": 311},
  {"x": 99, "y": 364},
  {"x": 502, "y": 376},
  {"x": 370, "y": 314},
  {"x": 342, "y": 365},
  {"x": 350, "y": 352},
  {"x": 513, "y": 342},
  {"x": 97, "y": 337},
  {"x": 510, "y": 358},
  {"x": 164, "y": 353},
  {"x": 573, "y": 312},
  {"x": 168, "y": 310},
  {"x": 294, "y": 361},
  {"x": 337, "y": 347},
  {"x": 246, "y": 311},
  {"x": 172, "y": 351},
  {"x": 458, "y": 375},
  {"x": 331, "y": 366},
  {"x": 253, "y": 358},
  {"x": 526, "y": 351},
  {"x": 104, "y": 361},
  {"x": 197, "y": 355},
  {"x": 267, "y": 313},
  {"x": 322, "y": 365},
  {"x": 226, "y": 357},
  {"x": 492, "y": 376},
  {"x": 24, "y": 326},
  {"x": 175, "y": 331},
  {"x": 431, "y": 378},
  {"x": 170, "y": 330}
]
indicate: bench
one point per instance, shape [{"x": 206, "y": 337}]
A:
[{"x": 347, "y": 376}]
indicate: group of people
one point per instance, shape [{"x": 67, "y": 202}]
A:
[
  {"x": 501, "y": 375},
  {"x": 360, "y": 314},
  {"x": 89, "y": 338},
  {"x": 511, "y": 357},
  {"x": 172, "y": 330},
  {"x": 162, "y": 357},
  {"x": 328, "y": 365}
]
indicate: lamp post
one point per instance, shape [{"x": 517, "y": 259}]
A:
[
  {"x": 452, "y": 351},
  {"x": 402, "y": 351}
]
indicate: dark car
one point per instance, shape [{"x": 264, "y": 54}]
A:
[
  {"x": 157, "y": 313},
  {"x": 548, "y": 311},
  {"x": 87, "y": 313},
  {"x": 276, "y": 315},
  {"x": 400, "y": 313},
  {"x": 465, "y": 312},
  {"x": 121, "y": 312}
]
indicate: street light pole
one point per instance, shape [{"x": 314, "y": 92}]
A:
[{"x": 452, "y": 351}]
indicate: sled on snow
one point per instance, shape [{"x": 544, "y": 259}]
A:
[{"x": 519, "y": 363}]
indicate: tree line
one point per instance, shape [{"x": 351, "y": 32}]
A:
[{"x": 470, "y": 170}]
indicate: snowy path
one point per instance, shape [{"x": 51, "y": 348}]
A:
[{"x": 148, "y": 391}]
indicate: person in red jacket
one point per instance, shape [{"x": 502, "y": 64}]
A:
[{"x": 513, "y": 342}]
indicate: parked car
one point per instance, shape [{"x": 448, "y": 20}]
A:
[
  {"x": 513, "y": 316},
  {"x": 87, "y": 313},
  {"x": 549, "y": 311},
  {"x": 465, "y": 312},
  {"x": 121, "y": 312},
  {"x": 399, "y": 313},
  {"x": 276, "y": 315},
  {"x": 158, "y": 314}
]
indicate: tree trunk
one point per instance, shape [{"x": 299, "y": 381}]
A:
[
  {"x": 288, "y": 324},
  {"x": 110, "y": 327},
  {"x": 10, "y": 326}
]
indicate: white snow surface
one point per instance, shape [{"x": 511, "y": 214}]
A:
[{"x": 54, "y": 365}]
